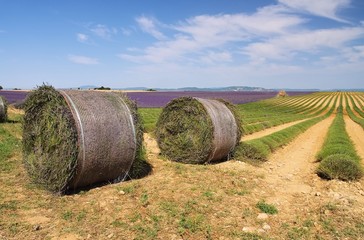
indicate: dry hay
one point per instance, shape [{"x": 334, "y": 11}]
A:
[
  {"x": 3, "y": 109},
  {"x": 73, "y": 139},
  {"x": 282, "y": 93},
  {"x": 195, "y": 130}
]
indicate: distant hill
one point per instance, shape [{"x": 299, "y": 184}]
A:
[
  {"x": 192, "y": 89},
  {"x": 297, "y": 90}
]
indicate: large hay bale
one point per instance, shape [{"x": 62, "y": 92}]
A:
[
  {"x": 73, "y": 139},
  {"x": 282, "y": 94},
  {"x": 3, "y": 109},
  {"x": 195, "y": 130}
]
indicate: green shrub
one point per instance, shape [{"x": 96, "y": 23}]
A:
[
  {"x": 338, "y": 156},
  {"x": 340, "y": 166}
]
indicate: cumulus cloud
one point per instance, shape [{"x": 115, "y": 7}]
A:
[
  {"x": 103, "y": 31},
  {"x": 275, "y": 38},
  {"x": 82, "y": 60},
  {"x": 354, "y": 53},
  {"x": 200, "y": 33},
  {"x": 148, "y": 25},
  {"x": 286, "y": 46},
  {"x": 83, "y": 38},
  {"x": 322, "y": 8},
  {"x": 212, "y": 57}
]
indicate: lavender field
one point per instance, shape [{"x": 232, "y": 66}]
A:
[{"x": 160, "y": 99}]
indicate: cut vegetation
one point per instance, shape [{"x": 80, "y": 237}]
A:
[
  {"x": 195, "y": 130},
  {"x": 3, "y": 109},
  {"x": 73, "y": 139}
]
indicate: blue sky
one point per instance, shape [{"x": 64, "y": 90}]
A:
[{"x": 201, "y": 43}]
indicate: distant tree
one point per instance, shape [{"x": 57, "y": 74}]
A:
[
  {"x": 151, "y": 90},
  {"x": 1, "y": 87},
  {"x": 102, "y": 88}
]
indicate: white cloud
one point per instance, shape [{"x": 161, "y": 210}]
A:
[
  {"x": 83, "y": 60},
  {"x": 148, "y": 25},
  {"x": 200, "y": 33},
  {"x": 83, "y": 38},
  {"x": 309, "y": 42},
  {"x": 103, "y": 31},
  {"x": 212, "y": 57},
  {"x": 323, "y": 8},
  {"x": 354, "y": 54},
  {"x": 275, "y": 42}
]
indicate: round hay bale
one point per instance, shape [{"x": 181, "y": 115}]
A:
[
  {"x": 73, "y": 139},
  {"x": 282, "y": 93},
  {"x": 3, "y": 109},
  {"x": 196, "y": 130}
]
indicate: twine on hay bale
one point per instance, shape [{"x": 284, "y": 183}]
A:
[
  {"x": 73, "y": 139},
  {"x": 3, "y": 109},
  {"x": 196, "y": 130}
]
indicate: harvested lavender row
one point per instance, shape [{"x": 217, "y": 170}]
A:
[
  {"x": 194, "y": 130},
  {"x": 73, "y": 139}
]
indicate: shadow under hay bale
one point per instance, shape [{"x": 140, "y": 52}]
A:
[
  {"x": 73, "y": 139},
  {"x": 195, "y": 130},
  {"x": 3, "y": 109}
]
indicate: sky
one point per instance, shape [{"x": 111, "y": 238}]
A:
[{"x": 191, "y": 43}]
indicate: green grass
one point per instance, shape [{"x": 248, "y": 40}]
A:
[
  {"x": 9, "y": 142},
  {"x": 338, "y": 157},
  {"x": 267, "y": 208},
  {"x": 150, "y": 117}
]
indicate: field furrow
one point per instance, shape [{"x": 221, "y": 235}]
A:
[
  {"x": 277, "y": 195},
  {"x": 356, "y": 134}
]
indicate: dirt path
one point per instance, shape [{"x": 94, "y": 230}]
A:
[
  {"x": 290, "y": 171},
  {"x": 356, "y": 134},
  {"x": 290, "y": 182}
]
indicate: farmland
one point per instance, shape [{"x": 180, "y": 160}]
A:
[
  {"x": 160, "y": 99},
  {"x": 269, "y": 190}
]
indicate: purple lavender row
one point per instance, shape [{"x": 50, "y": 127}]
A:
[
  {"x": 160, "y": 99},
  {"x": 14, "y": 96}
]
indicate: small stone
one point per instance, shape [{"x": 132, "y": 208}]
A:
[
  {"x": 266, "y": 227},
  {"x": 262, "y": 216},
  {"x": 336, "y": 195},
  {"x": 249, "y": 229},
  {"x": 36, "y": 227},
  {"x": 121, "y": 192},
  {"x": 110, "y": 235},
  {"x": 261, "y": 230},
  {"x": 317, "y": 194}
]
